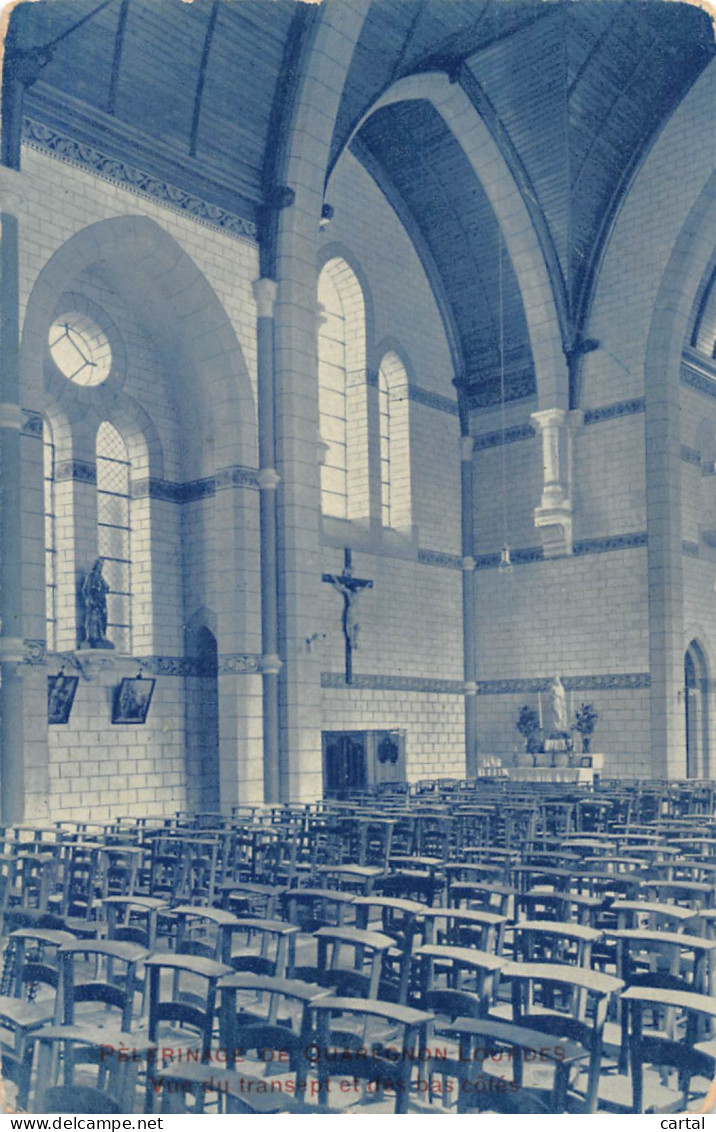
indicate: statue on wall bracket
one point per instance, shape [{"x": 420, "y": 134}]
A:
[{"x": 94, "y": 606}]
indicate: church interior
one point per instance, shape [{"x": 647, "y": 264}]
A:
[{"x": 358, "y": 556}]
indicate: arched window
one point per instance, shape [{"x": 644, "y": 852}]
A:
[
  {"x": 394, "y": 442},
  {"x": 114, "y": 532},
  {"x": 48, "y": 452},
  {"x": 342, "y": 393}
]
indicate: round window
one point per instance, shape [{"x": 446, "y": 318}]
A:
[{"x": 80, "y": 349}]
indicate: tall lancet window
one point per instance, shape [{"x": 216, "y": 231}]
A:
[
  {"x": 48, "y": 452},
  {"x": 342, "y": 395},
  {"x": 114, "y": 532},
  {"x": 394, "y": 442}
]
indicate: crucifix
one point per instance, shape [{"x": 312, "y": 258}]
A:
[{"x": 349, "y": 588}]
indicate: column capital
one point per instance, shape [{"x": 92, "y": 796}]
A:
[
  {"x": 271, "y": 664},
  {"x": 549, "y": 418},
  {"x": 468, "y": 563},
  {"x": 11, "y": 416},
  {"x": 470, "y": 688},
  {"x": 13, "y": 189},
  {"x": 265, "y": 295},
  {"x": 268, "y": 478}
]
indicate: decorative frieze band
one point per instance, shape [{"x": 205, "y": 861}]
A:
[
  {"x": 517, "y": 388},
  {"x": 518, "y": 557},
  {"x": 610, "y": 542},
  {"x": 603, "y": 681},
  {"x": 79, "y": 470},
  {"x": 587, "y": 683},
  {"x": 38, "y": 136},
  {"x": 439, "y": 558},
  {"x": 616, "y": 409},
  {"x": 228, "y": 664},
  {"x": 526, "y": 431},
  {"x": 432, "y": 400},
  {"x": 525, "y": 554},
  {"x": 497, "y": 439},
  {"x": 394, "y": 683},
  {"x": 168, "y": 492},
  {"x": 698, "y": 381}
]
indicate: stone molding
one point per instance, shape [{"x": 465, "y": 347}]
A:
[
  {"x": 432, "y": 400},
  {"x": 394, "y": 683},
  {"x": 602, "y": 681},
  {"x": 52, "y": 142},
  {"x": 153, "y": 487},
  {"x": 592, "y": 682},
  {"x": 81, "y": 471},
  {"x": 613, "y": 411}
]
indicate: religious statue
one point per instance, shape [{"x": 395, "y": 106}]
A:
[
  {"x": 94, "y": 600},
  {"x": 559, "y": 721}
]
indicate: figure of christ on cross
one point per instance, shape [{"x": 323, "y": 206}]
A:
[{"x": 349, "y": 588}]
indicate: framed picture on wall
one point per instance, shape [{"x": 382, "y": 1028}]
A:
[
  {"x": 132, "y": 699},
  {"x": 60, "y": 697}
]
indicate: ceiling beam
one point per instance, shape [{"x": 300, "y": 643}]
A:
[
  {"x": 117, "y": 56},
  {"x": 196, "y": 114}
]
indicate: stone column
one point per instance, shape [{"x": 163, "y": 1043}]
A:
[
  {"x": 665, "y": 573},
  {"x": 553, "y": 517},
  {"x": 12, "y": 784},
  {"x": 469, "y": 634},
  {"x": 265, "y": 295}
]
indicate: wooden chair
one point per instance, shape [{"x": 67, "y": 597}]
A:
[
  {"x": 686, "y": 1056},
  {"x": 399, "y": 920},
  {"x": 346, "y": 1023},
  {"x": 24, "y": 1012},
  {"x": 269, "y": 947},
  {"x": 358, "y": 978},
  {"x": 466, "y": 970},
  {"x": 584, "y": 995},
  {"x": 554, "y": 942},
  {"x": 174, "y": 1019},
  {"x": 114, "y": 990},
  {"x": 483, "y": 1041}
]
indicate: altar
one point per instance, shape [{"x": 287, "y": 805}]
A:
[
  {"x": 584, "y": 774},
  {"x": 573, "y": 775}
]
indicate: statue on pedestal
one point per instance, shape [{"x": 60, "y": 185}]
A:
[
  {"x": 559, "y": 722},
  {"x": 94, "y": 600},
  {"x": 559, "y": 742}
]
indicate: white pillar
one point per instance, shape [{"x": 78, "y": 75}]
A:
[{"x": 553, "y": 516}]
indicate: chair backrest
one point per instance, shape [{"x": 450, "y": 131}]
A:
[
  {"x": 166, "y": 1003},
  {"x": 72, "y": 1099},
  {"x": 113, "y": 990},
  {"x": 585, "y": 998},
  {"x": 662, "y": 1049}
]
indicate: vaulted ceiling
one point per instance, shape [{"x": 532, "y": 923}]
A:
[{"x": 574, "y": 91}]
